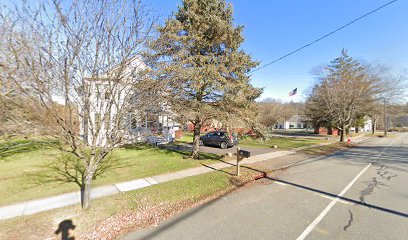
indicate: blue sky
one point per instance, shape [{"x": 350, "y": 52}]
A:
[{"x": 276, "y": 27}]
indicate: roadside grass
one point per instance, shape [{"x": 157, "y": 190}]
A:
[
  {"x": 281, "y": 142},
  {"x": 379, "y": 134},
  {"x": 327, "y": 149},
  {"x": 23, "y": 169},
  {"x": 113, "y": 216}
]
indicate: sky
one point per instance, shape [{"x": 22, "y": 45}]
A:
[{"x": 274, "y": 28}]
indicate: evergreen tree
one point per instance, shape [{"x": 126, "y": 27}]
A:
[
  {"x": 199, "y": 66},
  {"x": 345, "y": 90}
]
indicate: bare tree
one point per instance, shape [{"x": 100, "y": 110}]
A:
[
  {"x": 390, "y": 88},
  {"x": 271, "y": 112},
  {"x": 344, "y": 89},
  {"x": 347, "y": 90},
  {"x": 82, "y": 59}
]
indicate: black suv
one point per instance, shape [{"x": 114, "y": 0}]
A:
[{"x": 221, "y": 139}]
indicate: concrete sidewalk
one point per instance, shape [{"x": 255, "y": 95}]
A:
[{"x": 44, "y": 204}]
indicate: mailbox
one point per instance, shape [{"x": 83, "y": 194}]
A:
[{"x": 244, "y": 154}]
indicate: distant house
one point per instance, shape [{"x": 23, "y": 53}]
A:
[
  {"x": 367, "y": 127},
  {"x": 294, "y": 122}
]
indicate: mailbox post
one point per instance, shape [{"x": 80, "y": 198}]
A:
[
  {"x": 238, "y": 160},
  {"x": 241, "y": 154}
]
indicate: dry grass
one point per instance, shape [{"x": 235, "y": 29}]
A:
[{"x": 327, "y": 149}]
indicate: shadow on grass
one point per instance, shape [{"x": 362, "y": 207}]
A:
[
  {"x": 181, "y": 149},
  {"x": 138, "y": 146},
  {"x": 12, "y": 147},
  {"x": 65, "y": 228},
  {"x": 218, "y": 170}
]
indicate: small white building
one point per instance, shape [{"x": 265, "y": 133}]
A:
[
  {"x": 294, "y": 122},
  {"x": 367, "y": 127}
]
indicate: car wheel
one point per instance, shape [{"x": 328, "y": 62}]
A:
[
  {"x": 223, "y": 145},
  {"x": 201, "y": 143}
]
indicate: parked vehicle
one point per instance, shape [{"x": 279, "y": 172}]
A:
[{"x": 218, "y": 138}]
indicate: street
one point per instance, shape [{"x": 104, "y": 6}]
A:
[{"x": 357, "y": 194}]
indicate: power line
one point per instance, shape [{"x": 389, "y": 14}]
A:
[{"x": 324, "y": 36}]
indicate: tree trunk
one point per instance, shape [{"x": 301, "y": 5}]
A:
[
  {"x": 316, "y": 128},
  {"x": 86, "y": 191},
  {"x": 196, "y": 141},
  {"x": 330, "y": 130},
  {"x": 357, "y": 129},
  {"x": 342, "y": 134},
  {"x": 374, "y": 126}
]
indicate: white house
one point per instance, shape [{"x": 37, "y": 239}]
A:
[
  {"x": 367, "y": 127},
  {"x": 107, "y": 98},
  {"x": 294, "y": 122}
]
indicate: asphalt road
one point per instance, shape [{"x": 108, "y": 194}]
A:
[{"x": 358, "y": 194}]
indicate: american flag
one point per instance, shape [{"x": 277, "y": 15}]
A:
[{"x": 293, "y": 92}]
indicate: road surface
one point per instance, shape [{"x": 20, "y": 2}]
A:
[{"x": 358, "y": 194}]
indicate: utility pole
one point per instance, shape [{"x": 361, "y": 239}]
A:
[{"x": 385, "y": 119}]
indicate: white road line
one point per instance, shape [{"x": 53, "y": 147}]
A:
[
  {"x": 332, "y": 198},
  {"x": 309, "y": 229}
]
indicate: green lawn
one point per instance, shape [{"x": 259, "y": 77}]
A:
[
  {"x": 186, "y": 138},
  {"x": 151, "y": 203},
  {"x": 281, "y": 142},
  {"x": 23, "y": 165}
]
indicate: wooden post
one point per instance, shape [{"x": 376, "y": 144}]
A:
[{"x": 238, "y": 159}]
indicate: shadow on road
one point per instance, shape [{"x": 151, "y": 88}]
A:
[
  {"x": 347, "y": 157},
  {"x": 387, "y": 210}
]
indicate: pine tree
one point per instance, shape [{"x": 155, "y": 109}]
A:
[
  {"x": 200, "y": 67},
  {"x": 345, "y": 91}
]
